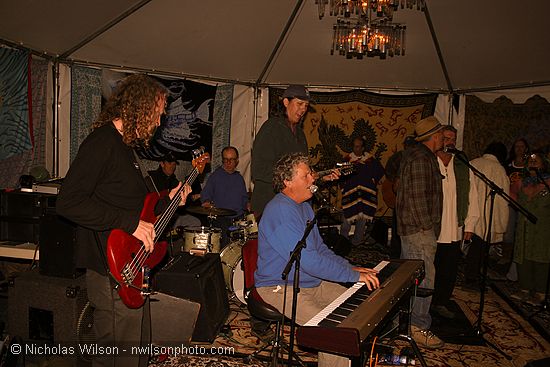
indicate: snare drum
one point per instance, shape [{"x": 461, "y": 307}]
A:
[
  {"x": 233, "y": 274},
  {"x": 202, "y": 240}
]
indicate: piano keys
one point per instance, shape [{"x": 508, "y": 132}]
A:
[{"x": 349, "y": 320}]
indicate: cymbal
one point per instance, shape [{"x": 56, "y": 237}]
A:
[{"x": 211, "y": 212}]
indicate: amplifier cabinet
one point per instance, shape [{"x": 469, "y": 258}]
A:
[{"x": 20, "y": 214}]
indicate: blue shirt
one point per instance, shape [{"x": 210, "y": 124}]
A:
[
  {"x": 281, "y": 227},
  {"x": 226, "y": 190}
]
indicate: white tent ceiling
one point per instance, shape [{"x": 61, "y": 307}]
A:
[{"x": 484, "y": 44}]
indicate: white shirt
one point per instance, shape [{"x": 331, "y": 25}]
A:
[
  {"x": 450, "y": 230},
  {"x": 489, "y": 165}
]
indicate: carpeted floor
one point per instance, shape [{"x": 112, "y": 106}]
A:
[
  {"x": 501, "y": 325},
  {"x": 511, "y": 326}
]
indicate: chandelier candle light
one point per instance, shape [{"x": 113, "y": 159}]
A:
[{"x": 364, "y": 27}]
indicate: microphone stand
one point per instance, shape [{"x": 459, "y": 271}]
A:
[
  {"x": 495, "y": 189},
  {"x": 295, "y": 256}
]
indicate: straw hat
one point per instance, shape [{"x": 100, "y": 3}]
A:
[{"x": 426, "y": 127}]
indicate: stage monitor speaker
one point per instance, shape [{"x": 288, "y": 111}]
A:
[
  {"x": 199, "y": 279},
  {"x": 50, "y": 311},
  {"x": 172, "y": 320},
  {"x": 57, "y": 246}
]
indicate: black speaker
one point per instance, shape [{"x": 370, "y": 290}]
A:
[
  {"x": 20, "y": 214},
  {"x": 51, "y": 311},
  {"x": 172, "y": 320},
  {"x": 199, "y": 279},
  {"x": 57, "y": 246}
]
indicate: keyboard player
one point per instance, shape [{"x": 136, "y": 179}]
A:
[{"x": 281, "y": 227}]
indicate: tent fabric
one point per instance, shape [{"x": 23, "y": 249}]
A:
[
  {"x": 453, "y": 47},
  {"x": 485, "y": 47}
]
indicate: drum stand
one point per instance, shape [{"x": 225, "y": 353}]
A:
[{"x": 211, "y": 218}]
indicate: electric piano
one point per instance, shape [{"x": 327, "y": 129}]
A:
[{"x": 358, "y": 313}]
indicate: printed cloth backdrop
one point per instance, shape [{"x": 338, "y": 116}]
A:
[
  {"x": 23, "y": 82},
  {"x": 504, "y": 121},
  {"x": 85, "y": 103},
  {"x": 335, "y": 119},
  {"x": 197, "y": 114}
]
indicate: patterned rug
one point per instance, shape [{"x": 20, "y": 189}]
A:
[{"x": 501, "y": 325}]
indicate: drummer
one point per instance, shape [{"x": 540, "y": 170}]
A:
[
  {"x": 225, "y": 188},
  {"x": 164, "y": 178}
]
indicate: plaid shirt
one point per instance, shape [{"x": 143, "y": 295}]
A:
[{"x": 419, "y": 192}]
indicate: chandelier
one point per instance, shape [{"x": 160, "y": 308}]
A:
[{"x": 365, "y": 27}]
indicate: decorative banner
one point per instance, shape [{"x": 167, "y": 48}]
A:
[
  {"x": 32, "y": 160},
  {"x": 335, "y": 119},
  {"x": 504, "y": 121},
  {"x": 188, "y": 121},
  {"x": 189, "y": 117},
  {"x": 85, "y": 104},
  {"x": 15, "y": 136}
]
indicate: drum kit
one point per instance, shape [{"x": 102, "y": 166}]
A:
[{"x": 199, "y": 241}]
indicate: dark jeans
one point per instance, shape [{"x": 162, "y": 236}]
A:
[
  {"x": 472, "y": 270},
  {"x": 446, "y": 260}
]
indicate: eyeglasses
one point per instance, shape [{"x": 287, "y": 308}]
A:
[{"x": 229, "y": 159}]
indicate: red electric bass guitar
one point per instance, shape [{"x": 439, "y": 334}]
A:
[{"x": 128, "y": 261}]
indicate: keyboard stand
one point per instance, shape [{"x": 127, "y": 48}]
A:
[{"x": 404, "y": 331}]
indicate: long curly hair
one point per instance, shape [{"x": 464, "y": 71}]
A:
[{"x": 135, "y": 102}]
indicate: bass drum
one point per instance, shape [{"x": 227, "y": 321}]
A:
[
  {"x": 231, "y": 258},
  {"x": 202, "y": 240}
]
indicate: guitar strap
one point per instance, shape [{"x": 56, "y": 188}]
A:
[{"x": 151, "y": 187}]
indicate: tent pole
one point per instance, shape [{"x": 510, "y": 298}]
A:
[
  {"x": 255, "y": 122},
  {"x": 438, "y": 49},
  {"x": 55, "y": 118},
  {"x": 103, "y": 29},
  {"x": 283, "y": 35}
]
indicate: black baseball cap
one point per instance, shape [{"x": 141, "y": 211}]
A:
[
  {"x": 169, "y": 157},
  {"x": 297, "y": 91}
]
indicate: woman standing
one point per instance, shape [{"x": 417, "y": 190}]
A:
[{"x": 531, "y": 252}]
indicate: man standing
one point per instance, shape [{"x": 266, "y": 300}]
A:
[
  {"x": 488, "y": 164},
  {"x": 225, "y": 188},
  {"x": 419, "y": 203},
  {"x": 278, "y": 136},
  {"x": 389, "y": 193},
  {"x": 104, "y": 190},
  {"x": 460, "y": 212},
  {"x": 283, "y": 224},
  {"x": 360, "y": 192}
]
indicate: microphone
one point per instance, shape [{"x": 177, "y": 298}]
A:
[
  {"x": 318, "y": 196},
  {"x": 452, "y": 150}
]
